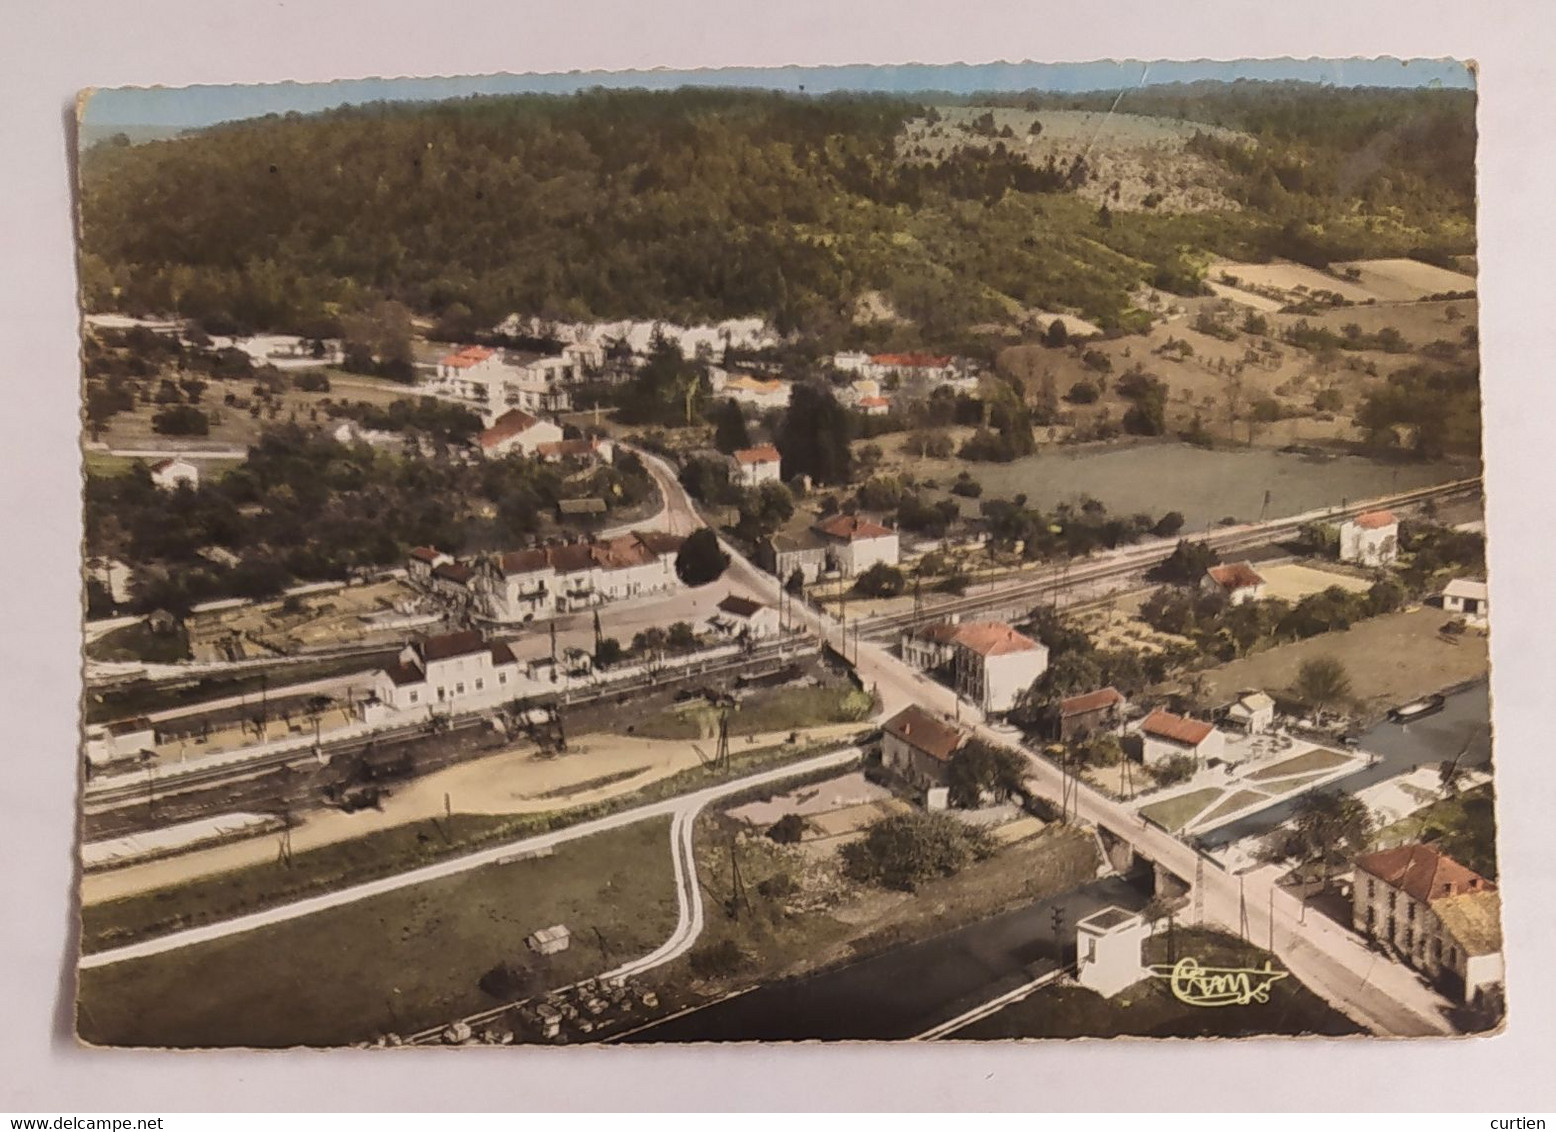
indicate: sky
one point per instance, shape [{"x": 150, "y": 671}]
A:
[{"x": 171, "y": 109}]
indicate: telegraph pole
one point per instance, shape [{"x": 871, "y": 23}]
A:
[{"x": 1057, "y": 919}]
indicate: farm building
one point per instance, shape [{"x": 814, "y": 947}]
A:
[
  {"x": 1166, "y": 736},
  {"x": 1238, "y": 581},
  {"x": 1370, "y": 539},
  {"x": 1469, "y": 599}
]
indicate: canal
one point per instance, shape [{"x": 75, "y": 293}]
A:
[
  {"x": 907, "y": 990},
  {"x": 1461, "y": 730}
]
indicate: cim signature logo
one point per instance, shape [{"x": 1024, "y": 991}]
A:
[{"x": 1218, "y": 986}]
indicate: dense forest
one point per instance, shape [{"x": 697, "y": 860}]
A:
[{"x": 702, "y": 204}]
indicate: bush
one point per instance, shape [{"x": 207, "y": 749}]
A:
[
  {"x": 788, "y": 830},
  {"x": 905, "y": 850},
  {"x": 1083, "y": 393},
  {"x": 181, "y": 420},
  {"x": 312, "y": 381},
  {"x": 967, "y": 487},
  {"x": 1175, "y": 769},
  {"x": 881, "y": 580},
  {"x": 719, "y": 960},
  {"x": 607, "y": 652}
]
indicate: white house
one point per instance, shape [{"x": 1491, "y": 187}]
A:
[
  {"x": 994, "y": 664},
  {"x": 170, "y": 474},
  {"x": 452, "y": 672},
  {"x": 422, "y": 562},
  {"x": 1110, "y": 950},
  {"x": 1371, "y": 539},
  {"x": 932, "y": 368},
  {"x": 759, "y": 393},
  {"x": 1469, "y": 599},
  {"x": 1239, "y": 581},
  {"x": 918, "y": 746},
  {"x": 782, "y": 554},
  {"x": 1442, "y": 918},
  {"x": 930, "y": 646},
  {"x": 873, "y": 406},
  {"x": 1167, "y": 736},
  {"x": 590, "y": 450},
  {"x": 856, "y": 543},
  {"x": 1253, "y": 713},
  {"x": 741, "y": 619},
  {"x": 564, "y": 577},
  {"x": 517, "y": 431},
  {"x": 756, "y": 466},
  {"x": 122, "y": 739}
]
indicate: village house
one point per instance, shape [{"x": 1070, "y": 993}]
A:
[
  {"x": 918, "y": 747},
  {"x": 1440, "y": 917},
  {"x": 856, "y": 543},
  {"x": 517, "y": 431},
  {"x": 994, "y": 664},
  {"x": 931, "y": 368},
  {"x": 452, "y": 581},
  {"x": 1166, "y": 736},
  {"x": 759, "y": 393},
  {"x": 565, "y": 577},
  {"x": 781, "y": 555},
  {"x": 493, "y": 382},
  {"x": 928, "y": 647},
  {"x": 1080, "y": 717},
  {"x": 1469, "y": 599},
  {"x": 422, "y": 562},
  {"x": 588, "y": 451},
  {"x": 1253, "y": 713},
  {"x": 1238, "y": 581},
  {"x": 172, "y": 473},
  {"x": 1370, "y": 539},
  {"x": 874, "y": 406},
  {"x": 451, "y": 672},
  {"x": 756, "y": 466},
  {"x": 741, "y": 619}
]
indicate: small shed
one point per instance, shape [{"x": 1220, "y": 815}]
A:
[
  {"x": 580, "y": 508},
  {"x": 1109, "y": 949},
  {"x": 1254, "y": 713},
  {"x": 549, "y": 941}
]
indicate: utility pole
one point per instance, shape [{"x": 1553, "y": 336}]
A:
[
  {"x": 737, "y": 884},
  {"x": 1242, "y": 911},
  {"x": 1199, "y": 890},
  {"x": 1057, "y": 919},
  {"x": 553, "y": 642}
]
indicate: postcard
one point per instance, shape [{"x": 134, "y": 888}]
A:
[{"x": 837, "y": 554}]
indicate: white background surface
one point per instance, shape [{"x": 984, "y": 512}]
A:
[{"x": 50, "y": 50}]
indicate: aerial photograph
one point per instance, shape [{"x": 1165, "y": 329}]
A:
[{"x": 927, "y": 553}]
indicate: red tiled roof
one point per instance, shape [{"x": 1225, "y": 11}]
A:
[
  {"x": 1423, "y": 872},
  {"x": 580, "y": 446},
  {"x": 937, "y": 738},
  {"x": 993, "y": 638},
  {"x": 1177, "y": 728},
  {"x": 1375, "y": 520},
  {"x": 1090, "y": 701},
  {"x": 762, "y": 454},
  {"x": 851, "y": 527},
  {"x": 469, "y": 356},
  {"x": 448, "y": 645},
  {"x": 426, "y": 554},
  {"x": 940, "y": 632},
  {"x": 507, "y": 426},
  {"x": 909, "y": 361},
  {"x": 874, "y": 402},
  {"x": 454, "y": 572},
  {"x": 1235, "y": 576},
  {"x": 659, "y": 542}
]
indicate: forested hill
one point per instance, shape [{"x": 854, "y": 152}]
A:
[{"x": 702, "y": 204}]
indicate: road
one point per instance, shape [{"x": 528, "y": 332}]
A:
[
  {"x": 905, "y": 992},
  {"x": 683, "y": 807},
  {"x": 1383, "y": 996}
]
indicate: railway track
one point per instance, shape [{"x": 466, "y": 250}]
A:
[{"x": 1229, "y": 540}]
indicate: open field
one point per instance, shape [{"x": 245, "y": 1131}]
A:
[
  {"x": 1293, "y": 581},
  {"x": 399, "y": 962},
  {"x": 1148, "y": 1009},
  {"x": 1405, "y": 280},
  {"x": 332, "y": 618},
  {"x": 1293, "y": 280},
  {"x": 1390, "y": 659},
  {"x": 778, "y": 710}
]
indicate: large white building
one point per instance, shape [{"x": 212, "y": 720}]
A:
[
  {"x": 990, "y": 664},
  {"x": 758, "y": 392},
  {"x": 855, "y": 543},
  {"x": 1370, "y": 539},
  {"x": 563, "y": 577},
  {"x": 492, "y": 382},
  {"x": 1443, "y": 918},
  {"x": 450, "y": 673}
]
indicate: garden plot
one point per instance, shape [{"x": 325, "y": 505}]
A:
[
  {"x": 1289, "y": 282},
  {"x": 1292, "y": 581},
  {"x": 1405, "y": 280}
]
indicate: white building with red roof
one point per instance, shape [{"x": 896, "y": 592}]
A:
[
  {"x": 173, "y": 473},
  {"x": 918, "y": 746},
  {"x": 993, "y": 664},
  {"x": 1439, "y": 916},
  {"x": 448, "y": 673},
  {"x": 517, "y": 431},
  {"x": 543, "y": 581},
  {"x": 759, "y": 465},
  {"x": 1165, "y": 736},
  {"x": 1370, "y": 539},
  {"x": 739, "y": 618},
  {"x": 1237, "y": 581},
  {"x": 855, "y": 543}
]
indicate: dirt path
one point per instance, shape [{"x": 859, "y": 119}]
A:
[{"x": 515, "y": 781}]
